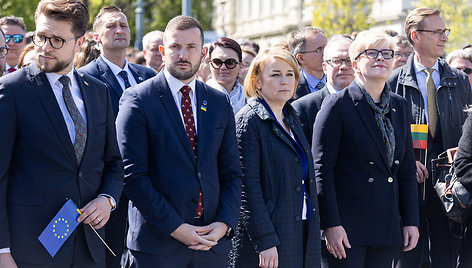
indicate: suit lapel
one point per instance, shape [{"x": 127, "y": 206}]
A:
[
  {"x": 89, "y": 103},
  {"x": 202, "y": 118},
  {"x": 174, "y": 115},
  {"x": 367, "y": 117},
  {"x": 136, "y": 73},
  {"x": 108, "y": 75},
  {"x": 45, "y": 93}
]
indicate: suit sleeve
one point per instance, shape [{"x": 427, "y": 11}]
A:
[
  {"x": 463, "y": 162},
  {"x": 406, "y": 176},
  {"x": 7, "y": 141},
  {"x": 327, "y": 135},
  {"x": 229, "y": 172},
  {"x": 112, "y": 181},
  {"x": 133, "y": 143},
  {"x": 254, "y": 214}
]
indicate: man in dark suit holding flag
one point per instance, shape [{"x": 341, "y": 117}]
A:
[{"x": 58, "y": 143}]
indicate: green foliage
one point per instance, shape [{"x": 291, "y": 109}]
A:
[
  {"x": 457, "y": 16},
  {"x": 342, "y": 16},
  {"x": 20, "y": 8}
]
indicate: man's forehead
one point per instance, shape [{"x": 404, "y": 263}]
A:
[
  {"x": 188, "y": 36},
  {"x": 12, "y": 29}
]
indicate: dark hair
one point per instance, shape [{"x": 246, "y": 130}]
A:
[
  {"x": 88, "y": 51},
  {"x": 181, "y": 23},
  {"x": 225, "y": 42},
  {"x": 97, "y": 21},
  {"x": 415, "y": 20},
  {"x": 72, "y": 11},
  {"x": 248, "y": 43},
  {"x": 12, "y": 20}
]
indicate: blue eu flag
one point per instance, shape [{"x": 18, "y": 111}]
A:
[{"x": 60, "y": 228}]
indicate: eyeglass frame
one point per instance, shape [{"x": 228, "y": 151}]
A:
[
  {"x": 436, "y": 32},
  {"x": 46, "y": 38},
  {"x": 224, "y": 62},
  {"x": 378, "y": 52},
  {"x": 317, "y": 50},
  {"x": 399, "y": 55},
  {"x": 345, "y": 60},
  {"x": 11, "y": 37},
  {"x": 6, "y": 51}
]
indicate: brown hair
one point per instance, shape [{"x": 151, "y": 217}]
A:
[
  {"x": 258, "y": 64},
  {"x": 297, "y": 40},
  {"x": 415, "y": 19},
  {"x": 21, "y": 59},
  {"x": 225, "y": 42},
  {"x": 97, "y": 21},
  {"x": 88, "y": 51},
  {"x": 72, "y": 11},
  {"x": 182, "y": 23}
]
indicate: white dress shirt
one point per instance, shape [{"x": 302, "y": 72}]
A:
[
  {"x": 117, "y": 69},
  {"x": 331, "y": 88},
  {"x": 175, "y": 85},
  {"x": 421, "y": 79}
]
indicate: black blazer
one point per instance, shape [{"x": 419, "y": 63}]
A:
[
  {"x": 99, "y": 69},
  {"x": 272, "y": 198},
  {"x": 303, "y": 88},
  {"x": 358, "y": 190},
  {"x": 38, "y": 166},
  {"x": 163, "y": 178},
  {"x": 307, "y": 107}
]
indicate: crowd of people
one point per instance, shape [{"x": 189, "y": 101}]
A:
[{"x": 223, "y": 154}]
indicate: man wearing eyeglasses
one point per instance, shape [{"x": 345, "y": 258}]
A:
[
  {"x": 461, "y": 60},
  {"x": 437, "y": 95},
  {"x": 58, "y": 142},
  {"x": 307, "y": 45},
  {"x": 339, "y": 74},
  {"x": 14, "y": 29}
]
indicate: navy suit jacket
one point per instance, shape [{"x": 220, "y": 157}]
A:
[
  {"x": 163, "y": 178},
  {"x": 99, "y": 69},
  {"x": 358, "y": 190},
  {"x": 307, "y": 107},
  {"x": 38, "y": 166},
  {"x": 303, "y": 87}
]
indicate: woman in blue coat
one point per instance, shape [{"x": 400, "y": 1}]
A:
[
  {"x": 364, "y": 164},
  {"x": 279, "y": 222}
]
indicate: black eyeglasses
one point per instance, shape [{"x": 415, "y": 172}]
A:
[
  {"x": 466, "y": 70},
  {"x": 339, "y": 62},
  {"x": 17, "y": 38},
  {"x": 399, "y": 55},
  {"x": 373, "y": 53},
  {"x": 437, "y": 32},
  {"x": 55, "y": 41},
  {"x": 3, "y": 52},
  {"x": 229, "y": 63},
  {"x": 316, "y": 51}
]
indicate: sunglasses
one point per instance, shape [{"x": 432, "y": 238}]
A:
[
  {"x": 229, "y": 63},
  {"x": 17, "y": 38},
  {"x": 466, "y": 70}
]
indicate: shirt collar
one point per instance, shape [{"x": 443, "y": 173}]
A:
[
  {"x": 419, "y": 68},
  {"x": 175, "y": 84},
  {"x": 8, "y": 66},
  {"x": 312, "y": 81},
  {"x": 54, "y": 77},
  {"x": 115, "y": 68}
]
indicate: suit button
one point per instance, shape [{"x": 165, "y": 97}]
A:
[
  {"x": 314, "y": 209},
  {"x": 80, "y": 174},
  {"x": 371, "y": 163},
  {"x": 199, "y": 175},
  {"x": 371, "y": 180},
  {"x": 390, "y": 179},
  {"x": 297, "y": 218},
  {"x": 397, "y": 162},
  {"x": 298, "y": 188},
  {"x": 195, "y": 201}
]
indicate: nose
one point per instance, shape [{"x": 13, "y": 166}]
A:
[{"x": 183, "y": 53}]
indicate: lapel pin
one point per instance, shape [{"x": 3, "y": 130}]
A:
[
  {"x": 393, "y": 109},
  {"x": 203, "y": 107},
  {"x": 85, "y": 82},
  {"x": 140, "y": 78}
]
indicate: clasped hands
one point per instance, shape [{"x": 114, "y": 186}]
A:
[{"x": 200, "y": 237}]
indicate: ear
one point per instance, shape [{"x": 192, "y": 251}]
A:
[
  {"x": 162, "y": 50},
  {"x": 354, "y": 66},
  {"x": 258, "y": 82},
  {"x": 204, "y": 52},
  {"x": 414, "y": 35},
  {"x": 299, "y": 57},
  {"x": 324, "y": 66},
  {"x": 79, "y": 43}
]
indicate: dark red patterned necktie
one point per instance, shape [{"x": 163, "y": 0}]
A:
[
  {"x": 189, "y": 121},
  {"x": 11, "y": 70}
]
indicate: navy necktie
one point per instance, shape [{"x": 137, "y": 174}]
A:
[{"x": 124, "y": 75}]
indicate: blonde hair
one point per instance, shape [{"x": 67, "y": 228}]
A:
[
  {"x": 258, "y": 64},
  {"x": 368, "y": 39}
]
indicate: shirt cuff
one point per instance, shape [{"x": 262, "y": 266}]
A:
[
  {"x": 109, "y": 196},
  {"x": 5, "y": 250}
]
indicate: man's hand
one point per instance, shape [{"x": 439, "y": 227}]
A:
[
  {"x": 336, "y": 240},
  {"x": 96, "y": 212},
  {"x": 410, "y": 237},
  {"x": 421, "y": 172},
  {"x": 216, "y": 231},
  {"x": 6, "y": 261},
  {"x": 191, "y": 236},
  {"x": 269, "y": 258}
]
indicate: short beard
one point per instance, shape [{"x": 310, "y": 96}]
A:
[
  {"x": 59, "y": 66},
  {"x": 183, "y": 75}
]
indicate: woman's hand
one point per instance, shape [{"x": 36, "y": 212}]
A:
[
  {"x": 269, "y": 258},
  {"x": 336, "y": 240}
]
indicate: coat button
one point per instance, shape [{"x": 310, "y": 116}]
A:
[
  {"x": 298, "y": 188},
  {"x": 371, "y": 180},
  {"x": 314, "y": 209},
  {"x": 397, "y": 162},
  {"x": 199, "y": 175},
  {"x": 371, "y": 163},
  {"x": 312, "y": 180},
  {"x": 390, "y": 179},
  {"x": 297, "y": 218}
]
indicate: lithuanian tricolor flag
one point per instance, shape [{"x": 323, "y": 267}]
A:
[{"x": 419, "y": 133}]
